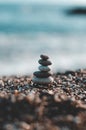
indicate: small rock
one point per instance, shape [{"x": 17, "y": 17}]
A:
[
  {"x": 39, "y": 74},
  {"x": 44, "y": 63},
  {"x": 43, "y": 80},
  {"x": 44, "y": 68},
  {"x": 44, "y": 57},
  {"x": 1, "y": 83}
]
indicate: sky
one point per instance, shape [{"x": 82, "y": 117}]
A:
[{"x": 45, "y": 1}]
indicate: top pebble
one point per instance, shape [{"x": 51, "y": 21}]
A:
[{"x": 44, "y": 57}]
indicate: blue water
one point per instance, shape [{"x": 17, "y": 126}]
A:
[
  {"x": 35, "y": 18},
  {"x": 28, "y": 30}
]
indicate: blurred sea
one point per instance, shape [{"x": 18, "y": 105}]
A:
[{"x": 28, "y": 30}]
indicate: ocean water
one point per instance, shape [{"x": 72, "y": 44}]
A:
[{"x": 28, "y": 30}]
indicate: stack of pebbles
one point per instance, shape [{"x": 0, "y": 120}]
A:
[{"x": 43, "y": 76}]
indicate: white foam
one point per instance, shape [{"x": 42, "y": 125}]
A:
[{"x": 21, "y": 56}]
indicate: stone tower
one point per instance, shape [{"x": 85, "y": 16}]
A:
[{"x": 43, "y": 76}]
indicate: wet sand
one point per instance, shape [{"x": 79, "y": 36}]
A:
[{"x": 28, "y": 106}]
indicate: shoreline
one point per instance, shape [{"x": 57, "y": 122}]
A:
[{"x": 24, "y": 106}]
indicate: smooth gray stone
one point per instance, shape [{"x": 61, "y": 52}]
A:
[
  {"x": 44, "y": 62},
  {"x": 44, "y": 57},
  {"x": 42, "y": 74},
  {"x": 48, "y": 80},
  {"x": 44, "y": 68}
]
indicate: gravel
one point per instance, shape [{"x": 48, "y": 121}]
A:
[{"x": 58, "y": 106}]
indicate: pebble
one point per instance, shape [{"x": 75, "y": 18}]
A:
[
  {"x": 30, "y": 97},
  {"x": 25, "y": 126},
  {"x": 1, "y": 83},
  {"x": 16, "y": 92},
  {"x": 44, "y": 57},
  {"x": 77, "y": 120},
  {"x": 44, "y": 68},
  {"x": 44, "y": 63},
  {"x": 43, "y": 81},
  {"x": 42, "y": 74},
  {"x": 9, "y": 127}
]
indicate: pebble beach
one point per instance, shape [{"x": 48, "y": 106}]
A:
[
  {"x": 34, "y": 98},
  {"x": 28, "y": 106}
]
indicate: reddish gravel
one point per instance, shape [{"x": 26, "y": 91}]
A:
[{"x": 28, "y": 106}]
